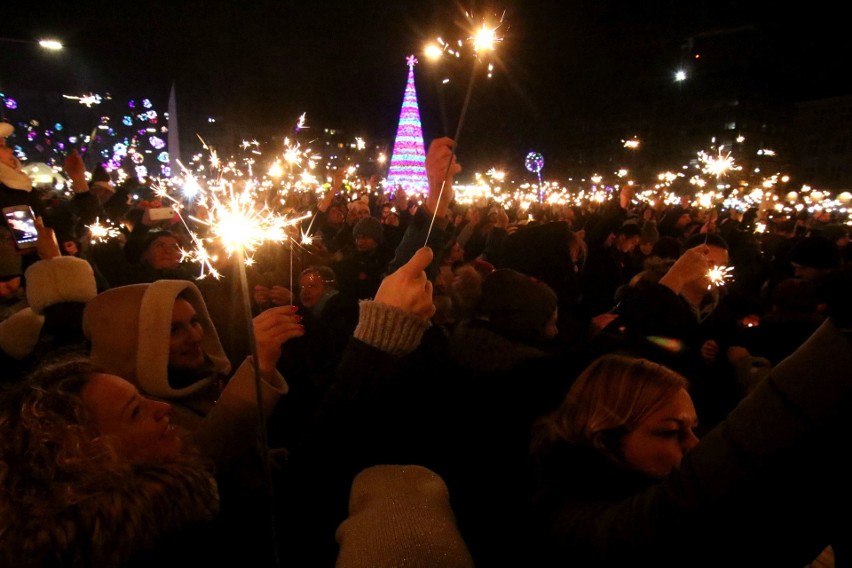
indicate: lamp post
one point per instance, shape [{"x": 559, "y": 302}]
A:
[{"x": 46, "y": 43}]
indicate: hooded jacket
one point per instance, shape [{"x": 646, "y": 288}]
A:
[{"x": 129, "y": 328}]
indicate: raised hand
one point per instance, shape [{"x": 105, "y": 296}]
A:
[
  {"x": 47, "y": 246},
  {"x": 408, "y": 288},
  {"x": 441, "y": 167},
  {"x": 273, "y": 328},
  {"x": 691, "y": 265},
  {"x": 76, "y": 170}
]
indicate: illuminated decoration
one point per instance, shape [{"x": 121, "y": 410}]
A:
[
  {"x": 127, "y": 121},
  {"x": 11, "y": 104},
  {"x": 534, "y": 162},
  {"x": 408, "y": 160}
]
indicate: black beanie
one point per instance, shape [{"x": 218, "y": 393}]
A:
[
  {"x": 816, "y": 252},
  {"x": 515, "y": 303},
  {"x": 369, "y": 227}
]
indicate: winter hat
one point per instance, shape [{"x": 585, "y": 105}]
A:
[
  {"x": 369, "y": 227},
  {"x": 815, "y": 252},
  {"x": 137, "y": 244},
  {"x": 19, "y": 333},
  {"x": 100, "y": 178},
  {"x": 400, "y": 515},
  {"x": 515, "y": 303},
  {"x": 60, "y": 279}
]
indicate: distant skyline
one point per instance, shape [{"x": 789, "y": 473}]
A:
[{"x": 261, "y": 64}]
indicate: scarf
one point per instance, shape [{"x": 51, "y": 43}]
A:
[{"x": 15, "y": 178}]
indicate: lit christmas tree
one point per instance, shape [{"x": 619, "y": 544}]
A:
[{"x": 408, "y": 161}]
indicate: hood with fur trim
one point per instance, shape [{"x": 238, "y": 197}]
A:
[{"x": 130, "y": 326}]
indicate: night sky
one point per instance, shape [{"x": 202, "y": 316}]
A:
[{"x": 256, "y": 65}]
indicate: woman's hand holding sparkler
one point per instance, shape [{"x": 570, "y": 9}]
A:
[
  {"x": 272, "y": 328},
  {"x": 408, "y": 288}
]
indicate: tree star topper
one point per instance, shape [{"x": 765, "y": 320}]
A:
[{"x": 411, "y": 61}]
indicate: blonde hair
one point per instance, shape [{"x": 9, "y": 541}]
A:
[
  {"x": 609, "y": 399},
  {"x": 67, "y": 492}
]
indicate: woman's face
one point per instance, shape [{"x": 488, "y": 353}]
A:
[
  {"x": 657, "y": 445},
  {"x": 185, "y": 351},
  {"x": 140, "y": 426}
]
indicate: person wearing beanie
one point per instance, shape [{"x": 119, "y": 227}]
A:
[
  {"x": 398, "y": 399},
  {"x": 56, "y": 293},
  {"x": 150, "y": 254},
  {"x": 361, "y": 270},
  {"x": 814, "y": 257},
  {"x": 400, "y": 515}
]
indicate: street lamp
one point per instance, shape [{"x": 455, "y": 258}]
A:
[{"x": 50, "y": 44}]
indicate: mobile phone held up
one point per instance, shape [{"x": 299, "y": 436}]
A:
[{"x": 21, "y": 221}]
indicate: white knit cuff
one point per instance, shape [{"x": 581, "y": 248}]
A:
[{"x": 389, "y": 328}]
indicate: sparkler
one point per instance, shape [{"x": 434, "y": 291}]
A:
[
  {"x": 235, "y": 217},
  {"x": 99, "y": 233},
  {"x": 718, "y": 165},
  {"x": 483, "y": 39},
  {"x": 719, "y": 275}
]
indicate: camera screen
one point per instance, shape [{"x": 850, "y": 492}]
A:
[{"x": 23, "y": 226}]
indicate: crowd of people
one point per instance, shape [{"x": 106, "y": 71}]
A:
[{"x": 424, "y": 384}]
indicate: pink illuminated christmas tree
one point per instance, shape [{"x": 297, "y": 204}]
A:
[{"x": 408, "y": 161}]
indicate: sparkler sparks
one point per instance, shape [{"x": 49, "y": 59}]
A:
[
  {"x": 719, "y": 275},
  {"x": 717, "y": 165},
  {"x": 100, "y": 233}
]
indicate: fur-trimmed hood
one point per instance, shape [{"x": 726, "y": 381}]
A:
[
  {"x": 128, "y": 516},
  {"x": 129, "y": 328}
]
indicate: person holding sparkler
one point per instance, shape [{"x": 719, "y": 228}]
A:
[
  {"x": 683, "y": 322},
  {"x": 625, "y": 482},
  {"x": 159, "y": 336}
]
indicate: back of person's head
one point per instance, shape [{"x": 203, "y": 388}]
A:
[
  {"x": 400, "y": 515},
  {"x": 629, "y": 229},
  {"x": 516, "y": 304},
  {"x": 815, "y": 252},
  {"x": 795, "y": 295},
  {"x": 709, "y": 239},
  {"x": 667, "y": 248},
  {"x": 834, "y": 232},
  {"x": 609, "y": 399}
]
